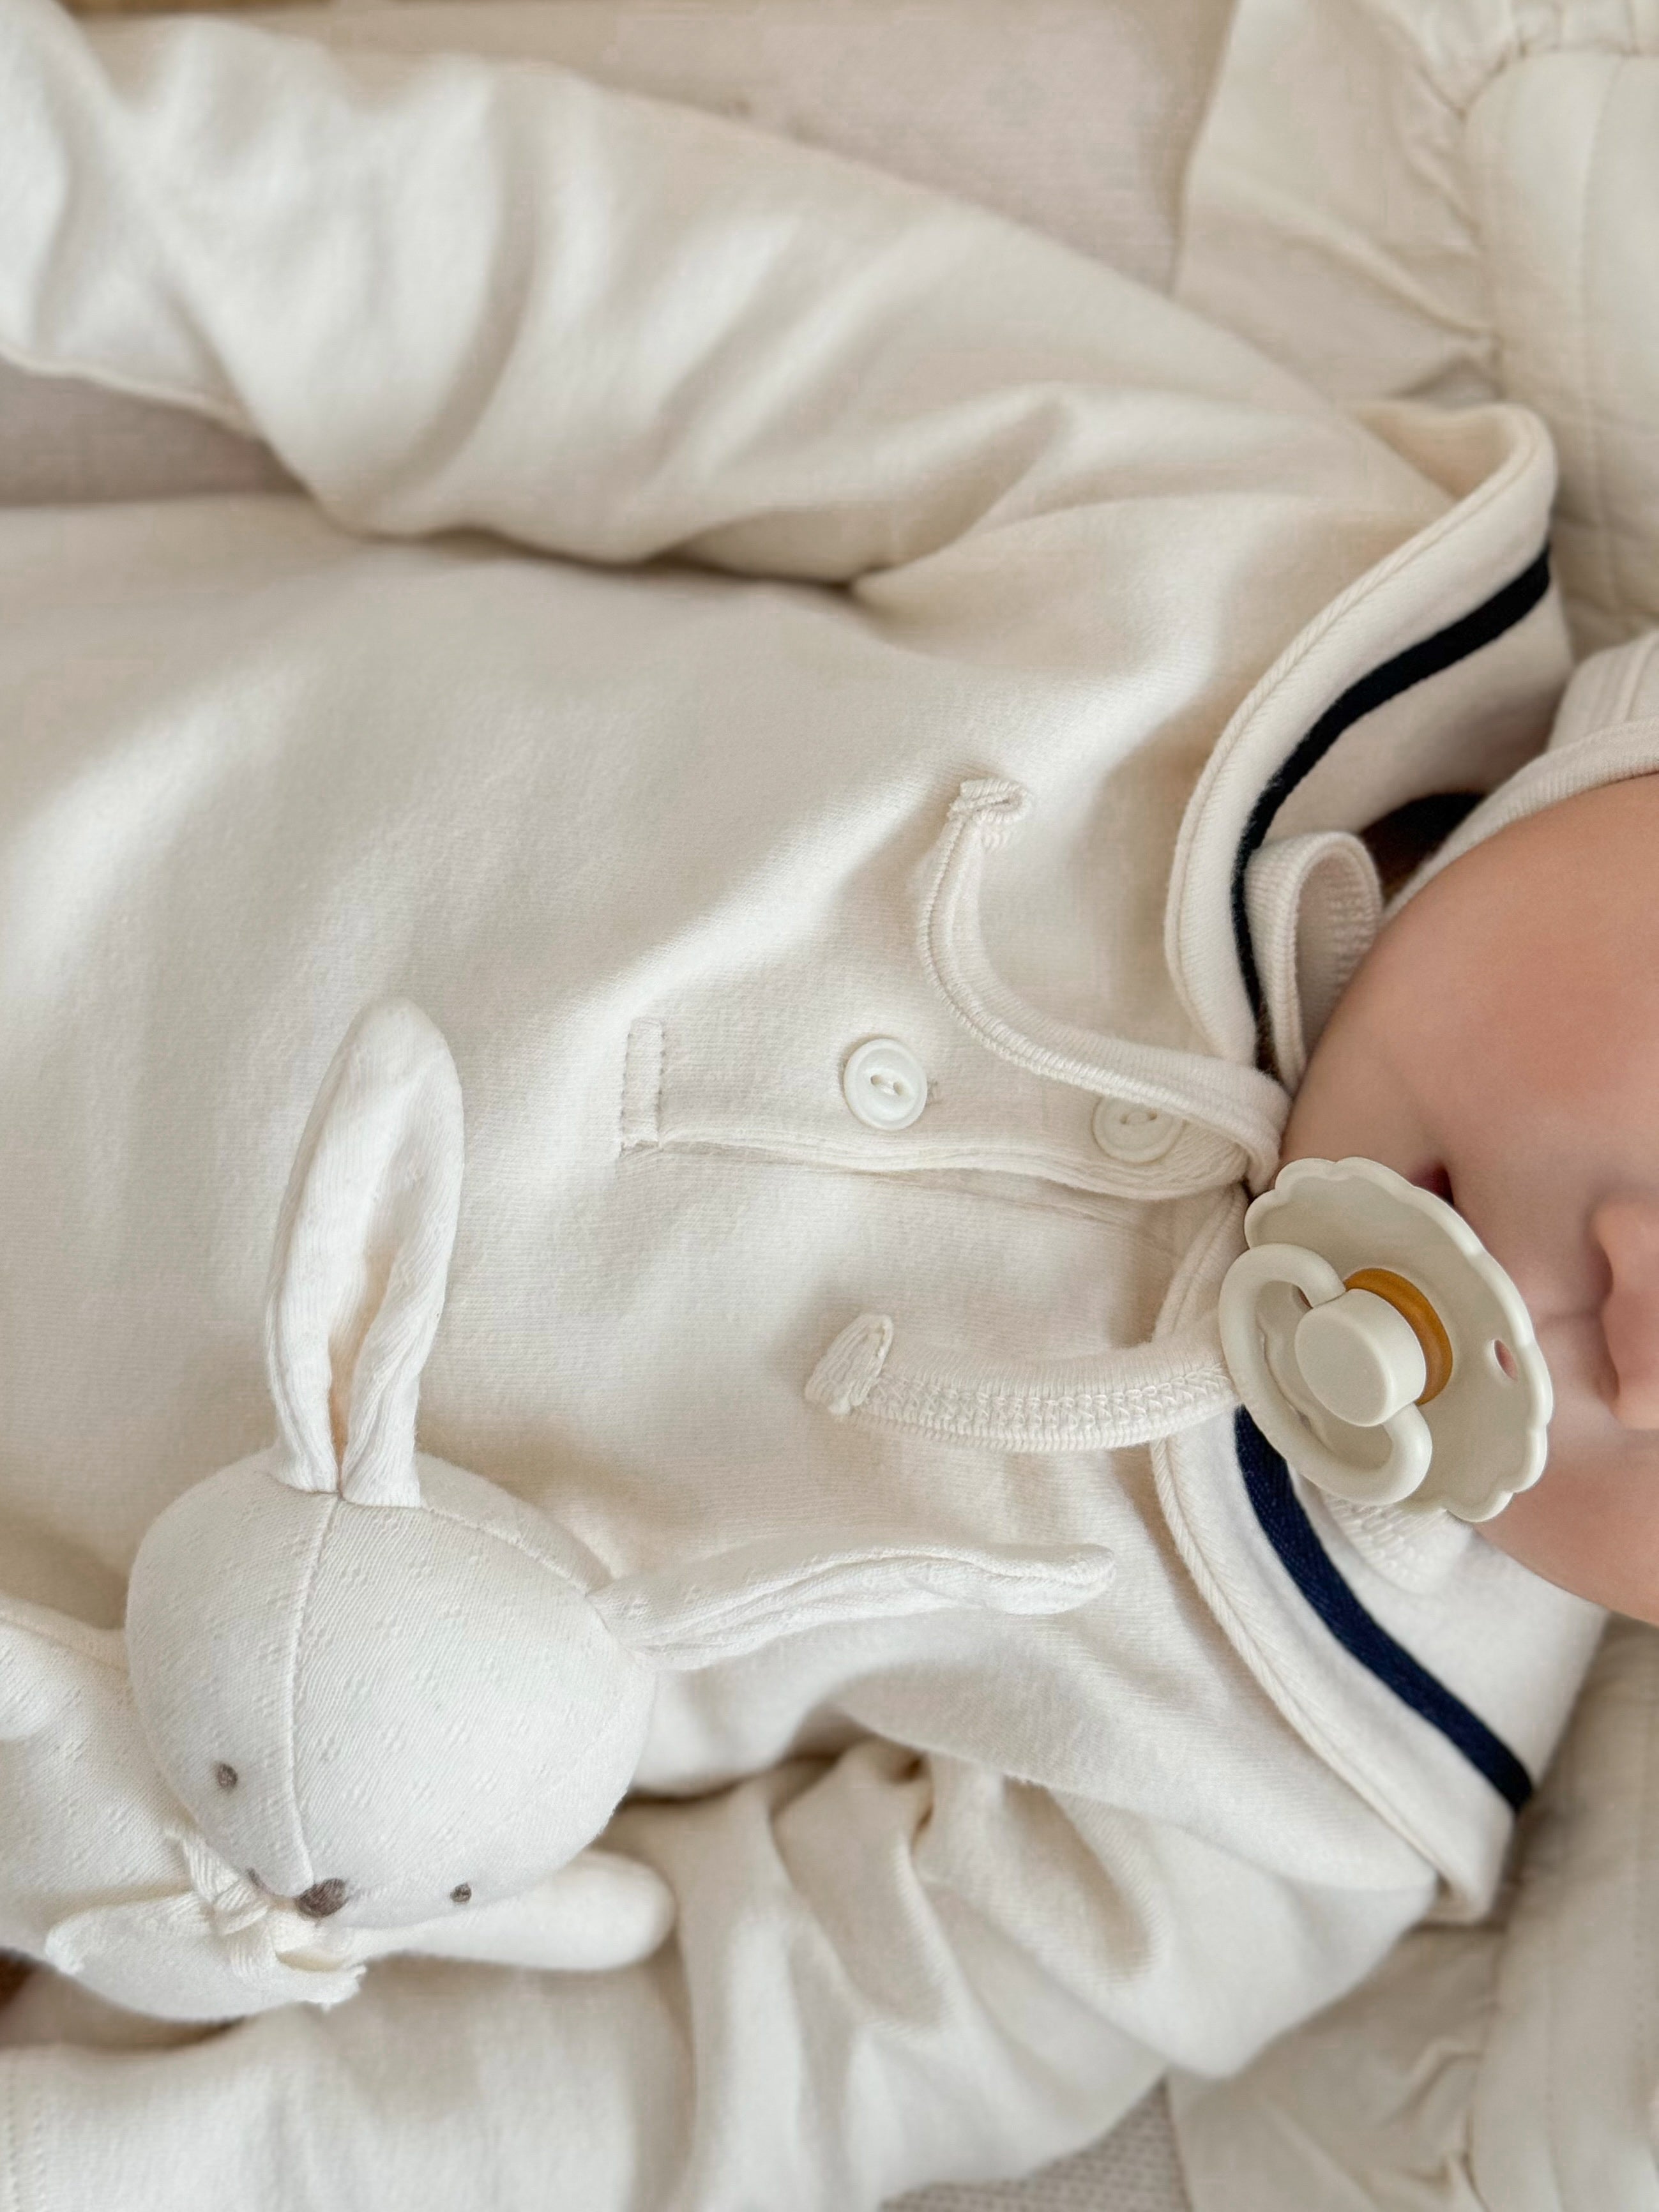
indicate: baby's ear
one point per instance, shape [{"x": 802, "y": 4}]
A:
[
  {"x": 720, "y": 1608},
  {"x": 361, "y": 1259}
]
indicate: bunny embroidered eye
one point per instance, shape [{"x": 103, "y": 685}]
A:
[
  {"x": 226, "y": 1775},
  {"x": 462, "y": 1893}
]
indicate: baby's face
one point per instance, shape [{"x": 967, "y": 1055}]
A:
[{"x": 1500, "y": 1045}]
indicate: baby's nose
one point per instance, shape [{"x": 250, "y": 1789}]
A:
[{"x": 321, "y": 1899}]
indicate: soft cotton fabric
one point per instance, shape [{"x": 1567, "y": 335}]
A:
[
  {"x": 656, "y": 851},
  {"x": 1508, "y": 2066},
  {"x": 1074, "y": 116}
]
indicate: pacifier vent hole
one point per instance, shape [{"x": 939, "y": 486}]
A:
[{"x": 1503, "y": 1360}]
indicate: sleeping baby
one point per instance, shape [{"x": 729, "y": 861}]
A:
[{"x": 852, "y": 724}]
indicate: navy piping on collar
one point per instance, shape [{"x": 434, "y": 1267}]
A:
[
  {"x": 1429, "y": 657},
  {"x": 1285, "y": 1525},
  {"x": 1280, "y": 1512}
]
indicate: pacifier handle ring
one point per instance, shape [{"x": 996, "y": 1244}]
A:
[{"x": 1410, "y": 1444}]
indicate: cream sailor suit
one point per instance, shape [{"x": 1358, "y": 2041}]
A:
[{"x": 745, "y": 611}]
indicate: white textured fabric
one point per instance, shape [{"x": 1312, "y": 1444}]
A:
[
  {"x": 954, "y": 1888},
  {"x": 361, "y": 1259},
  {"x": 1314, "y": 906},
  {"x": 1607, "y": 728},
  {"x": 1510, "y": 2068},
  {"x": 1458, "y": 199},
  {"x": 1368, "y": 2109},
  {"x": 1562, "y": 2114},
  {"x": 380, "y": 1687},
  {"x": 1074, "y": 116},
  {"x": 107, "y": 1880}
]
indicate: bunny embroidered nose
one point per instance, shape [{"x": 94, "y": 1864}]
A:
[{"x": 321, "y": 1899}]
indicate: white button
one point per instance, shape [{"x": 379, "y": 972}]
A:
[
  {"x": 884, "y": 1083},
  {"x": 1138, "y": 1134}
]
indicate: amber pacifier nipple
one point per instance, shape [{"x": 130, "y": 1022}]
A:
[{"x": 1378, "y": 1345}]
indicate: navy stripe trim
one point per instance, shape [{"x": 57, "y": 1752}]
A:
[
  {"x": 1430, "y": 657},
  {"x": 1272, "y": 1496},
  {"x": 1285, "y": 1525}
]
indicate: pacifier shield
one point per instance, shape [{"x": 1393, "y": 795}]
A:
[{"x": 1380, "y": 1348}]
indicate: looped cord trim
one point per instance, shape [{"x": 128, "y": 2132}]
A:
[
  {"x": 1119, "y": 1398},
  {"x": 1105, "y": 1404},
  {"x": 1239, "y": 1104}
]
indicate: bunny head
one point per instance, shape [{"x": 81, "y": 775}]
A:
[
  {"x": 383, "y": 1687},
  {"x": 375, "y": 1681}
]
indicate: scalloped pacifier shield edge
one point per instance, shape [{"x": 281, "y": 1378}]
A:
[{"x": 1478, "y": 1433}]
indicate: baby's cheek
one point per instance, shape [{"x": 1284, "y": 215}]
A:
[{"x": 1591, "y": 1526}]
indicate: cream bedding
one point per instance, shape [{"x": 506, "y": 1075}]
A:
[
  {"x": 1445, "y": 199},
  {"x": 1458, "y": 199},
  {"x": 1509, "y": 2068}
]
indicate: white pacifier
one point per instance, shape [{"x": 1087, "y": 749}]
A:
[{"x": 1378, "y": 1345}]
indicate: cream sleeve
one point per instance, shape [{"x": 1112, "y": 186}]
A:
[{"x": 450, "y": 292}]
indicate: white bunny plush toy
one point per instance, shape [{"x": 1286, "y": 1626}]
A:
[{"x": 395, "y": 1703}]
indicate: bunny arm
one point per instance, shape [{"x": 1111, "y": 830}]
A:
[
  {"x": 95, "y": 1872},
  {"x": 601, "y": 1910},
  {"x": 102, "y": 1876},
  {"x": 86, "y": 1813},
  {"x": 697, "y": 1612}
]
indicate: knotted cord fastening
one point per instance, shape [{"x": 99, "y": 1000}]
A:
[
  {"x": 260, "y": 1933},
  {"x": 264, "y": 1945}
]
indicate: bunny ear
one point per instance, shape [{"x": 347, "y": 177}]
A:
[
  {"x": 720, "y": 1608},
  {"x": 362, "y": 1254}
]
